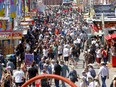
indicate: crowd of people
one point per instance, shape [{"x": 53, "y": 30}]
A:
[{"x": 56, "y": 40}]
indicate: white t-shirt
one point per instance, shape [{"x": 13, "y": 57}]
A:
[
  {"x": 96, "y": 84},
  {"x": 103, "y": 71},
  {"x": 18, "y": 75},
  {"x": 91, "y": 84},
  {"x": 28, "y": 47},
  {"x": 66, "y": 52},
  {"x": 45, "y": 52},
  {"x": 59, "y": 49},
  {"x": 78, "y": 40},
  {"x": 83, "y": 82},
  {"x": 98, "y": 53}
]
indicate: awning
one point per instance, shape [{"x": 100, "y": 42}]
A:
[
  {"x": 108, "y": 37},
  {"x": 113, "y": 36}
]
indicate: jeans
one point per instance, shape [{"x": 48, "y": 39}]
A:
[
  {"x": 103, "y": 81},
  {"x": 0, "y": 76},
  {"x": 63, "y": 84},
  {"x": 57, "y": 83},
  {"x": 105, "y": 60}
]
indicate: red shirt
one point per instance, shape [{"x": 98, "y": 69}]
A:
[{"x": 104, "y": 53}]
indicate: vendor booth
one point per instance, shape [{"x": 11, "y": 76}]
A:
[
  {"x": 111, "y": 40},
  {"x": 8, "y": 41}
]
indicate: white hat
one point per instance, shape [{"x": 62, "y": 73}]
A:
[
  {"x": 89, "y": 76},
  {"x": 102, "y": 63}
]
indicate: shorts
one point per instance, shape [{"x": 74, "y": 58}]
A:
[
  {"x": 66, "y": 58},
  {"x": 59, "y": 55},
  {"x": 51, "y": 55},
  {"x": 19, "y": 84}
]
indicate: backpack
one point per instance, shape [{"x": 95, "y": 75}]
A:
[
  {"x": 73, "y": 76},
  {"x": 93, "y": 73}
]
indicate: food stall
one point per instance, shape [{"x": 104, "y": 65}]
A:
[
  {"x": 113, "y": 48},
  {"x": 111, "y": 41},
  {"x": 8, "y": 41}
]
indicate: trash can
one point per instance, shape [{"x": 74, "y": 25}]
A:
[
  {"x": 12, "y": 57},
  {"x": 113, "y": 61}
]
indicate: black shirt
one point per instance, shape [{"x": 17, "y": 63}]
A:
[
  {"x": 32, "y": 72},
  {"x": 7, "y": 83},
  {"x": 57, "y": 69}
]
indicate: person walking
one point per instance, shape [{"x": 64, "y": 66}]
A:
[
  {"x": 45, "y": 81},
  {"x": 64, "y": 71},
  {"x": 73, "y": 75},
  {"x": 8, "y": 80},
  {"x": 98, "y": 56},
  {"x": 104, "y": 73},
  {"x": 11, "y": 65},
  {"x": 66, "y": 54},
  {"x": 57, "y": 71},
  {"x": 104, "y": 54},
  {"x": 19, "y": 77},
  {"x": 91, "y": 70},
  {"x": 32, "y": 72},
  {"x": 91, "y": 81}
]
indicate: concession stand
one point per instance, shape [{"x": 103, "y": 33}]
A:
[
  {"x": 8, "y": 40},
  {"x": 111, "y": 40}
]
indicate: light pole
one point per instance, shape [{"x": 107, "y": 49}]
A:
[{"x": 102, "y": 15}]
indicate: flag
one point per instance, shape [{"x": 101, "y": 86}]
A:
[
  {"x": 19, "y": 8},
  {"x": 25, "y": 6},
  {"x": 23, "y": 2},
  {"x": 6, "y": 8},
  {"x": 13, "y": 8},
  {"x": 1, "y": 8}
]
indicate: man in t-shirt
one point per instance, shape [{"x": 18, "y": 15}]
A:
[
  {"x": 32, "y": 72},
  {"x": 19, "y": 77},
  {"x": 57, "y": 71}
]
